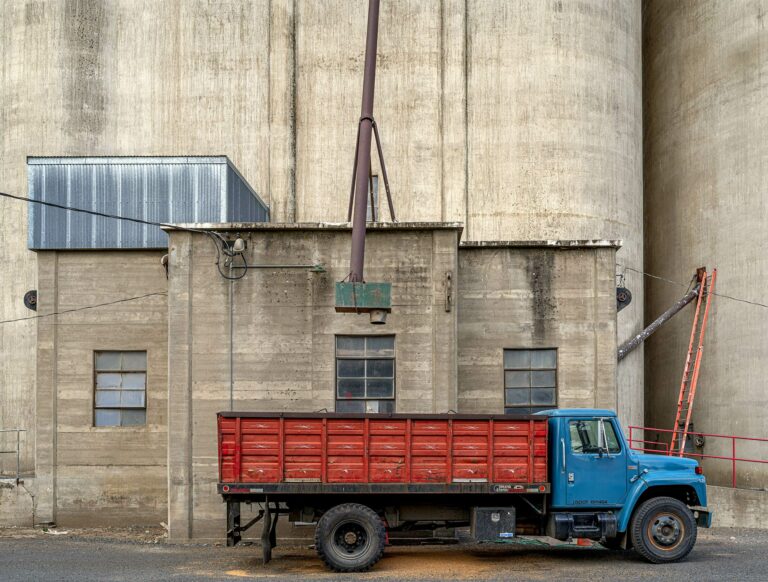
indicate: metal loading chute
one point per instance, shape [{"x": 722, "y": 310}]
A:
[
  {"x": 634, "y": 342},
  {"x": 354, "y": 295}
]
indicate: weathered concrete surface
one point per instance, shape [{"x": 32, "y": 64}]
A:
[
  {"x": 17, "y": 503},
  {"x": 706, "y": 112},
  {"x": 90, "y": 475},
  {"x": 86, "y": 78},
  {"x": 738, "y": 507},
  {"x": 520, "y": 119},
  {"x": 284, "y": 329},
  {"x": 537, "y": 296}
]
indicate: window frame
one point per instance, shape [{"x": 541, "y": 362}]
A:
[
  {"x": 530, "y": 405},
  {"x": 597, "y": 419},
  {"x": 94, "y": 383},
  {"x": 336, "y": 359}
]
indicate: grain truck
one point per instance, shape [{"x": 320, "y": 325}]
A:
[{"x": 565, "y": 473}]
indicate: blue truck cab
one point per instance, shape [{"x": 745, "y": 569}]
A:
[{"x": 603, "y": 490}]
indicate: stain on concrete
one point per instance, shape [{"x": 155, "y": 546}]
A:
[
  {"x": 539, "y": 267},
  {"x": 84, "y": 26}
]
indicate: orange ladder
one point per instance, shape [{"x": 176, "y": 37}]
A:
[{"x": 692, "y": 362}]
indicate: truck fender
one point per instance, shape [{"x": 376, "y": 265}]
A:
[
  {"x": 649, "y": 481},
  {"x": 637, "y": 489}
]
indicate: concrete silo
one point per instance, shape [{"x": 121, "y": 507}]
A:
[
  {"x": 520, "y": 118},
  {"x": 554, "y": 136},
  {"x": 706, "y": 169}
]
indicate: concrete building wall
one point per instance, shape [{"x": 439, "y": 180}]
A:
[
  {"x": 520, "y": 119},
  {"x": 88, "y": 78},
  {"x": 706, "y": 111},
  {"x": 527, "y": 296},
  {"x": 284, "y": 325},
  {"x": 87, "y": 475}
]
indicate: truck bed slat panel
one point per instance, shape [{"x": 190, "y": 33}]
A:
[{"x": 338, "y": 449}]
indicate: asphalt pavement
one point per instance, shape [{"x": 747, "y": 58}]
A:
[{"x": 720, "y": 554}]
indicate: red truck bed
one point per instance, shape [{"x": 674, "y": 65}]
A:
[{"x": 398, "y": 449}]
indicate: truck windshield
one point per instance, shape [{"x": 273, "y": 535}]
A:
[{"x": 584, "y": 436}]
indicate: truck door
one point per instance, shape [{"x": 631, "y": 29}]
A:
[{"x": 596, "y": 464}]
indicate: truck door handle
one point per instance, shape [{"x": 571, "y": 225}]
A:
[{"x": 562, "y": 446}]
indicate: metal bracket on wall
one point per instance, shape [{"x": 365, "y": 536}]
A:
[{"x": 448, "y": 291}]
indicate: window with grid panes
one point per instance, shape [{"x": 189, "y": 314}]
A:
[
  {"x": 365, "y": 373},
  {"x": 530, "y": 380},
  {"x": 120, "y": 397}
]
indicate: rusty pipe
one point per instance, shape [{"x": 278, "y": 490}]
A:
[
  {"x": 632, "y": 343},
  {"x": 363, "y": 153}
]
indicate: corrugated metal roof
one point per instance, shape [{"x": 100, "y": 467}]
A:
[{"x": 157, "y": 189}]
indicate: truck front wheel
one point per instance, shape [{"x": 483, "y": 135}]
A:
[
  {"x": 663, "y": 530},
  {"x": 350, "y": 538}
]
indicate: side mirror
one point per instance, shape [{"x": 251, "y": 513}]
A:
[{"x": 602, "y": 440}]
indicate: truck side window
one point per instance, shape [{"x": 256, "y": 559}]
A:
[{"x": 585, "y": 439}]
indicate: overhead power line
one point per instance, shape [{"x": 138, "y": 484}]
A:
[
  {"x": 88, "y": 211},
  {"x": 63, "y": 311},
  {"x": 215, "y": 235},
  {"x": 716, "y": 294}
]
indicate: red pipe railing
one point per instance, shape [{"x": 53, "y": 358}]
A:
[{"x": 663, "y": 448}]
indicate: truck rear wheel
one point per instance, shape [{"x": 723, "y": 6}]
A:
[
  {"x": 350, "y": 538},
  {"x": 663, "y": 530}
]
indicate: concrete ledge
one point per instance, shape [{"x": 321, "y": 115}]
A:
[{"x": 746, "y": 508}]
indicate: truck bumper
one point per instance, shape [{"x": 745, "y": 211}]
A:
[{"x": 703, "y": 516}]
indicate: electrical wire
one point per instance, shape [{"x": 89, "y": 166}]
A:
[
  {"x": 716, "y": 294},
  {"x": 63, "y": 311},
  {"x": 215, "y": 237}
]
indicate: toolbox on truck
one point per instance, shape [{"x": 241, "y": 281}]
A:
[{"x": 413, "y": 453}]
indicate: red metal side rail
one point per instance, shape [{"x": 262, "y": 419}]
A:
[
  {"x": 660, "y": 447},
  {"x": 404, "y": 449}
]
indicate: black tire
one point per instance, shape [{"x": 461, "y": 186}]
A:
[
  {"x": 663, "y": 530},
  {"x": 350, "y": 538}
]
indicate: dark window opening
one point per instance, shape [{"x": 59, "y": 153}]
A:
[
  {"x": 365, "y": 373},
  {"x": 530, "y": 380}
]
